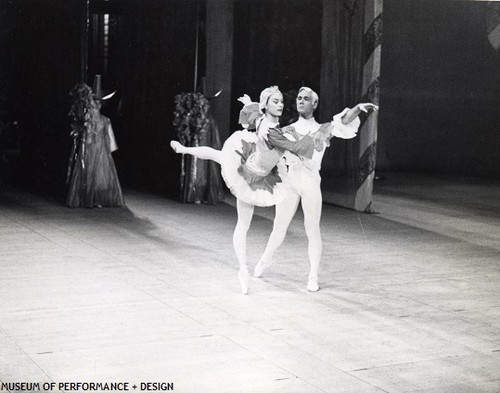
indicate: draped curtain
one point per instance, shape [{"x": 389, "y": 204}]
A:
[
  {"x": 152, "y": 61},
  {"x": 349, "y": 75},
  {"x": 44, "y": 55},
  {"x": 342, "y": 68},
  {"x": 276, "y": 42}
]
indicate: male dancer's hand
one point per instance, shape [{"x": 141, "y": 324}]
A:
[
  {"x": 367, "y": 107},
  {"x": 319, "y": 142}
]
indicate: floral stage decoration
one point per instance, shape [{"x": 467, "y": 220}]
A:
[
  {"x": 190, "y": 117},
  {"x": 79, "y": 114},
  {"x": 200, "y": 180}
]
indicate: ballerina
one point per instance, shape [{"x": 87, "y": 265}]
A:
[{"x": 248, "y": 164}]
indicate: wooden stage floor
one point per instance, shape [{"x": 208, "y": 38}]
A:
[{"x": 409, "y": 298}]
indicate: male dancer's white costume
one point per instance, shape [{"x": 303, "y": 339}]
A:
[{"x": 304, "y": 180}]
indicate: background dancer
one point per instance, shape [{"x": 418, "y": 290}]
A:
[{"x": 92, "y": 177}]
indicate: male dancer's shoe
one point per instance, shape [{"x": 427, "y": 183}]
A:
[
  {"x": 260, "y": 267},
  {"x": 244, "y": 278},
  {"x": 312, "y": 284}
]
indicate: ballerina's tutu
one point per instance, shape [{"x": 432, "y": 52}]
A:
[{"x": 265, "y": 189}]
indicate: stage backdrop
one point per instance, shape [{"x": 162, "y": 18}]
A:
[
  {"x": 440, "y": 88},
  {"x": 146, "y": 51},
  {"x": 44, "y": 64},
  {"x": 332, "y": 47}
]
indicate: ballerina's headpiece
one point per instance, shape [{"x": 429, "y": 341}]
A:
[{"x": 264, "y": 96}]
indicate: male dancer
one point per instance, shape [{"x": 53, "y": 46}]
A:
[{"x": 304, "y": 180}]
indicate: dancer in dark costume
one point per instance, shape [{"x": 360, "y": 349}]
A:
[{"x": 93, "y": 180}]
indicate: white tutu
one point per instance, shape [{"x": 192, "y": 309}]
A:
[{"x": 262, "y": 191}]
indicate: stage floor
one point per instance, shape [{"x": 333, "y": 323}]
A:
[{"x": 409, "y": 298}]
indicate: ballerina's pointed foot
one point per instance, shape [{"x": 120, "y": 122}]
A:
[
  {"x": 176, "y": 146},
  {"x": 312, "y": 284},
  {"x": 244, "y": 278},
  {"x": 260, "y": 267}
]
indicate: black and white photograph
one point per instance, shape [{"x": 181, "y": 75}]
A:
[{"x": 250, "y": 196}]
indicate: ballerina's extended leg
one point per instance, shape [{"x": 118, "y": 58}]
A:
[{"x": 201, "y": 152}]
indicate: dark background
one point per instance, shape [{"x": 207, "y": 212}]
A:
[
  {"x": 440, "y": 87},
  {"x": 440, "y": 90}
]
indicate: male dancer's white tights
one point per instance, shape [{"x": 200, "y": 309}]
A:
[{"x": 311, "y": 199}]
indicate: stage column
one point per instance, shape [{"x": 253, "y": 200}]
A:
[{"x": 370, "y": 93}]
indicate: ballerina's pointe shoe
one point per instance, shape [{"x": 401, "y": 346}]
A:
[
  {"x": 244, "y": 278},
  {"x": 312, "y": 284},
  {"x": 260, "y": 267},
  {"x": 176, "y": 146}
]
